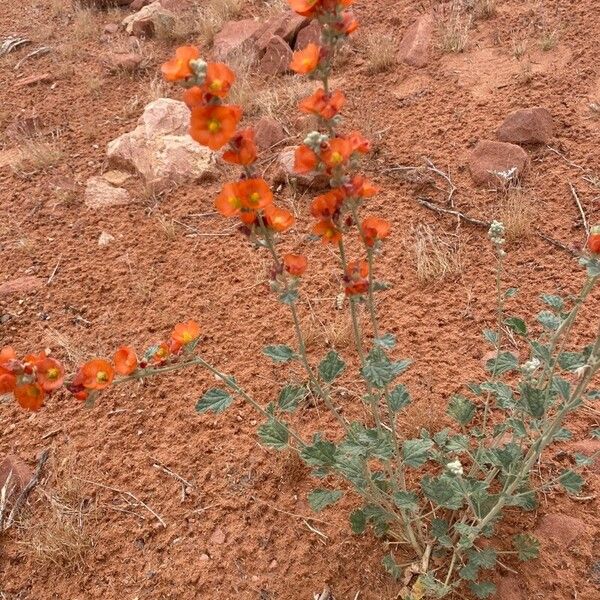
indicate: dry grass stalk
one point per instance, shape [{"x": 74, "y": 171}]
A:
[
  {"x": 454, "y": 29},
  {"x": 34, "y": 155},
  {"x": 517, "y": 213},
  {"x": 212, "y": 15},
  {"x": 436, "y": 256},
  {"x": 484, "y": 9},
  {"x": 549, "y": 39},
  {"x": 381, "y": 52},
  {"x": 84, "y": 25},
  {"x": 61, "y": 534}
]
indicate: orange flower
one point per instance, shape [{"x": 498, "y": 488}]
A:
[
  {"x": 306, "y": 61},
  {"x": 160, "y": 354},
  {"x": 7, "y": 382},
  {"x": 179, "y": 67},
  {"x": 186, "y": 333},
  {"x": 30, "y": 396},
  {"x": 214, "y": 125},
  {"x": 593, "y": 242},
  {"x": 278, "y": 219},
  {"x": 306, "y": 8},
  {"x": 194, "y": 97},
  {"x": 305, "y": 160},
  {"x": 348, "y": 23},
  {"x": 327, "y": 205},
  {"x": 327, "y": 231},
  {"x": 374, "y": 228},
  {"x": 7, "y": 353},
  {"x": 360, "y": 187},
  {"x": 323, "y": 105},
  {"x": 359, "y": 143},
  {"x": 219, "y": 79},
  {"x": 125, "y": 360},
  {"x": 96, "y": 374},
  {"x": 295, "y": 264},
  {"x": 229, "y": 201},
  {"x": 338, "y": 151},
  {"x": 356, "y": 278},
  {"x": 243, "y": 150},
  {"x": 255, "y": 194},
  {"x": 50, "y": 374}
]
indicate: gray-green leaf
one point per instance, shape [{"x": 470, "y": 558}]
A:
[
  {"x": 214, "y": 400},
  {"x": 398, "y": 398},
  {"x": 517, "y": 325},
  {"x": 279, "y": 353},
  {"x": 331, "y": 366},
  {"x": 416, "y": 452},
  {"x": 527, "y": 547},
  {"x": 274, "y": 434},
  {"x": 571, "y": 481},
  {"x": 320, "y": 498},
  {"x": 290, "y": 396},
  {"x": 503, "y": 363},
  {"x": 461, "y": 409}
]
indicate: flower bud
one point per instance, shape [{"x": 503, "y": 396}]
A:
[
  {"x": 593, "y": 242},
  {"x": 455, "y": 467}
]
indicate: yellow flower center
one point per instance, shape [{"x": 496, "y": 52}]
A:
[
  {"x": 216, "y": 85},
  {"x": 52, "y": 373},
  {"x": 101, "y": 376},
  {"x": 214, "y": 125},
  {"x": 329, "y": 233},
  {"x": 255, "y": 198},
  {"x": 161, "y": 352},
  {"x": 234, "y": 202},
  {"x": 336, "y": 158},
  {"x": 187, "y": 337}
]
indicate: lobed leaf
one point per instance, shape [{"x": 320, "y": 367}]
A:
[
  {"x": 214, "y": 400},
  {"x": 274, "y": 434},
  {"x": 279, "y": 353},
  {"x": 320, "y": 498},
  {"x": 331, "y": 366}
]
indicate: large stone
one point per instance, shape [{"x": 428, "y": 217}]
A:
[
  {"x": 150, "y": 19},
  {"x": 277, "y": 57},
  {"x": 101, "y": 194},
  {"x": 268, "y": 132},
  {"x": 236, "y": 36},
  {"x": 497, "y": 163},
  {"x": 415, "y": 45},
  {"x": 14, "y": 476},
  {"x": 286, "y": 26},
  {"x": 123, "y": 61},
  {"x": 21, "y": 285},
  {"x": 527, "y": 126},
  {"x": 310, "y": 34},
  {"x": 160, "y": 149}
]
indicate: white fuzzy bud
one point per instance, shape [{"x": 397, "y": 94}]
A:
[
  {"x": 314, "y": 140},
  {"x": 496, "y": 233},
  {"x": 199, "y": 68},
  {"x": 455, "y": 467},
  {"x": 531, "y": 366}
]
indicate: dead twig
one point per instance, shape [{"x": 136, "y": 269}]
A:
[
  {"x": 580, "y": 207},
  {"x": 455, "y": 213},
  {"x": 285, "y": 512},
  {"x": 451, "y": 187},
  {"x": 569, "y": 162},
  {"x": 22, "y": 497},
  {"x": 54, "y": 271},
  {"x": 185, "y": 484},
  {"x": 38, "y": 52},
  {"x": 125, "y": 493}
]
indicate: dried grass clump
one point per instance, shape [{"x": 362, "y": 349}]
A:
[
  {"x": 212, "y": 15},
  {"x": 517, "y": 213},
  {"x": 484, "y": 9},
  {"x": 34, "y": 155},
  {"x": 84, "y": 25},
  {"x": 381, "y": 52},
  {"x": 437, "y": 257},
  {"x": 549, "y": 39},
  {"x": 61, "y": 535},
  {"x": 454, "y": 28}
]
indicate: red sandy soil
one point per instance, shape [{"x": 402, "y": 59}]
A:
[{"x": 158, "y": 272}]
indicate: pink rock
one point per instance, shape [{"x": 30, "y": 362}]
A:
[
  {"x": 311, "y": 34},
  {"x": 111, "y": 28},
  {"x": 148, "y": 20},
  {"x": 527, "y": 126},
  {"x": 217, "y": 537},
  {"x": 100, "y": 194},
  {"x": 236, "y": 36},
  {"x": 495, "y": 163},
  {"x": 21, "y": 285},
  {"x": 268, "y": 133},
  {"x": 559, "y": 528},
  {"x": 277, "y": 57},
  {"x": 286, "y": 26},
  {"x": 160, "y": 148},
  {"x": 414, "y": 47},
  {"x": 15, "y": 475},
  {"x": 124, "y": 61}
]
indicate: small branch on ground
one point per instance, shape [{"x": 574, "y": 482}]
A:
[{"x": 580, "y": 207}]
